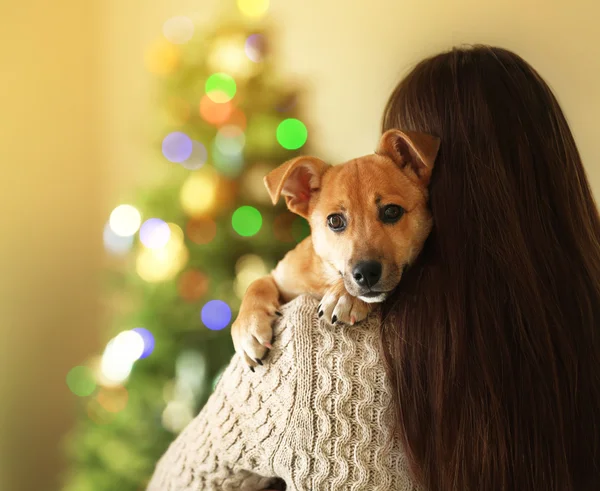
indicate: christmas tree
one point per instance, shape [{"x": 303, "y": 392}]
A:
[{"x": 186, "y": 250}]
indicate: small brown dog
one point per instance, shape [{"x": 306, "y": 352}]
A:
[{"x": 369, "y": 220}]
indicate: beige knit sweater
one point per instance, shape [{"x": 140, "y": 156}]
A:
[{"x": 316, "y": 415}]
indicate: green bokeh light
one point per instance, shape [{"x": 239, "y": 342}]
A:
[
  {"x": 291, "y": 134},
  {"x": 220, "y": 87},
  {"x": 246, "y": 221},
  {"x": 81, "y": 381}
]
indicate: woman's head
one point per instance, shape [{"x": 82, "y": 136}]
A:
[{"x": 493, "y": 338}]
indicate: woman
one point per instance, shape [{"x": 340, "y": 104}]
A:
[{"x": 491, "y": 344}]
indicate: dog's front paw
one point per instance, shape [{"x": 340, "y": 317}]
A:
[
  {"x": 338, "y": 306},
  {"x": 252, "y": 333}
]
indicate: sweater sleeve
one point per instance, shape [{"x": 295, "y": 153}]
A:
[{"x": 231, "y": 444}]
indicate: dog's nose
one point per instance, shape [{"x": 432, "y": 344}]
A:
[{"x": 367, "y": 273}]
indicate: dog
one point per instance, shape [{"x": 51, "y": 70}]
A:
[{"x": 369, "y": 220}]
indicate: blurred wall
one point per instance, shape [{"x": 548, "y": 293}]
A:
[
  {"x": 74, "y": 115},
  {"x": 50, "y": 223}
]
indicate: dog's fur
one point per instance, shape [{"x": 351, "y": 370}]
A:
[{"x": 325, "y": 263}]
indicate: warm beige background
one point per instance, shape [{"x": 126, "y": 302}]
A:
[{"x": 73, "y": 118}]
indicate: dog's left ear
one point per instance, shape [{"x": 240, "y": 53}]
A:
[
  {"x": 415, "y": 153},
  {"x": 297, "y": 180}
]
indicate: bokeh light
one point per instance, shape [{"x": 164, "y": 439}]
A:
[
  {"x": 179, "y": 29},
  {"x": 230, "y": 140},
  {"x": 155, "y": 233},
  {"x": 220, "y": 88},
  {"x": 253, "y": 183},
  {"x": 148, "y": 339},
  {"x": 237, "y": 118},
  {"x": 156, "y": 265},
  {"x": 228, "y": 55},
  {"x": 80, "y": 381},
  {"x": 192, "y": 285},
  {"x": 254, "y": 47},
  {"x": 215, "y": 315},
  {"x": 116, "y": 244},
  {"x": 119, "y": 356},
  {"x": 292, "y": 134},
  {"x": 227, "y": 165},
  {"x": 114, "y": 399},
  {"x": 249, "y": 268},
  {"x": 125, "y": 220},
  {"x": 201, "y": 230},
  {"x": 253, "y": 8},
  {"x": 199, "y": 191},
  {"x": 176, "y": 416},
  {"x": 197, "y": 158},
  {"x": 246, "y": 221},
  {"x": 177, "y": 147},
  {"x": 162, "y": 57},
  {"x": 213, "y": 112}
]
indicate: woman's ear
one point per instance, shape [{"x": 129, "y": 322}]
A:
[
  {"x": 297, "y": 180},
  {"x": 414, "y": 153}
]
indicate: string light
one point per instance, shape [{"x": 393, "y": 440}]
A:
[
  {"x": 178, "y": 30},
  {"x": 215, "y": 315},
  {"x": 177, "y": 147},
  {"x": 197, "y": 158},
  {"x": 201, "y": 230},
  {"x": 116, "y": 244},
  {"x": 292, "y": 134},
  {"x": 80, "y": 381},
  {"x": 199, "y": 192},
  {"x": 253, "y": 8},
  {"x": 155, "y": 233},
  {"x": 220, "y": 88},
  {"x": 125, "y": 220},
  {"x": 246, "y": 221},
  {"x": 162, "y": 57},
  {"x": 213, "y": 112}
]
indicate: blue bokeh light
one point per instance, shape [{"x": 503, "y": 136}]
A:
[
  {"x": 177, "y": 147},
  {"x": 155, "y": 233},
  {"x": 148, "y": 341},
  {"x": 216, "y": 314}
]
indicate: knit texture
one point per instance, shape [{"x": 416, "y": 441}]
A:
[{"x": 315, "y": 415}]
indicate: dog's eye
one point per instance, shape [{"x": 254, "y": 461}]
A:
[
  {"x": 336, "y": 222},
  {"x": 391, "y": 213}
]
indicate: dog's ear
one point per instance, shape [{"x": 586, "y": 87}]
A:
[
  {"x": 415, "y": 153},
  {"x": 297, "y": 180}
]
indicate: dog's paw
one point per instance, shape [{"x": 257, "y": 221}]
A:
[
  {"x": 341, "y": 307},
  {"x": 252, "y": 333}
]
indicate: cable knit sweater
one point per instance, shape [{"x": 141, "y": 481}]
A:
[{"x": 315, "y": 415}]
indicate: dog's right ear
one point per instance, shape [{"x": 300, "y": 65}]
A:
[{"x": 297, "y": 180}]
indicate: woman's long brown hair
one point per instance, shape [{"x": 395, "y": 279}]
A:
[{"x": 492, "y": 341}]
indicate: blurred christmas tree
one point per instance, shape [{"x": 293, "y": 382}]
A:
[{"x": 187, "y": 249}]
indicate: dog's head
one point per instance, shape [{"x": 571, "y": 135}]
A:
[{"x": 369, "y": 216}]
